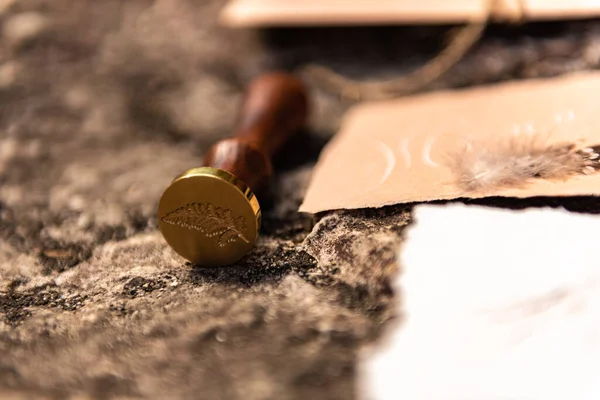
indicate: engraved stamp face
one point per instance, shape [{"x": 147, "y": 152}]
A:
[
  {"x": 211, "y": 220},
  {"x": 208, "y": 218}
]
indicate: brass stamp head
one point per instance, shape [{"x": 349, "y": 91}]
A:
[{"x": 209, "y": 217}]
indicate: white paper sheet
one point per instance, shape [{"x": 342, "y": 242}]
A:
[{"x": 497, "y": 304}]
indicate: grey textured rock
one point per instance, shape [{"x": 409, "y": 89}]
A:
[{"x": 101, "y": 109}]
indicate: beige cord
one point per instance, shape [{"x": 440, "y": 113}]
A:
[{"x": 458, "y": 46}]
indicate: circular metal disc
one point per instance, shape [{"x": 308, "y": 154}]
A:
[{"x": 209, "y": 217}]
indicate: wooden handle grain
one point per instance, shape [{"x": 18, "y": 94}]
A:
[{"x": 274, "y": 108}]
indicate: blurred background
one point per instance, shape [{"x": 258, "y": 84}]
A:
[{"x": 103, "y": 102}]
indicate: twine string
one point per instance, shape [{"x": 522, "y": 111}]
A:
[{"x": 457, "y": 47}]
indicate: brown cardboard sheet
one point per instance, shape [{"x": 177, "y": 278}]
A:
[
  {"x": 397, "y": 151},
  {"x": 257, "y": 13}
]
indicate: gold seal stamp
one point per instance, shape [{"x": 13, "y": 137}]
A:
[{"x": 210, "y": 215}]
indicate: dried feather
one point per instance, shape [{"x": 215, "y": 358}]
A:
[{"x": 486, "y": 166}]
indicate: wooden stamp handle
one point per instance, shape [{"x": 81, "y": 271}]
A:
[{"x": 274, "y": 107}]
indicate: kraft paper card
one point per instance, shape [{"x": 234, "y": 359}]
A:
[
  {"x": 507, "y": 307},
  {"x": 519, "y": 139},
  {"x": 257, "y": 13}
]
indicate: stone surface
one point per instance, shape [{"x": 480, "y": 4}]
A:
[{"x": 103, "y": 103}]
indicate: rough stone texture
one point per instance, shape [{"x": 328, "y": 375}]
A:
[{"x": 103, "y": 103}]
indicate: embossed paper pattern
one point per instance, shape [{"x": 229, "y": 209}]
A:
[{"x": 403, "y": 150}]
